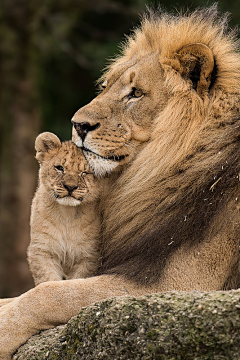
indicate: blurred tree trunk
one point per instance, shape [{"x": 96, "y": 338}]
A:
[{"x": 19, "y": 125}]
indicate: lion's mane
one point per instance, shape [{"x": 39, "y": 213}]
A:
[{"x": 183, "y": 178}]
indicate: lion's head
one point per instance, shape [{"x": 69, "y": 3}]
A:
[
  {"x": 170, "y": 67},
  {"x": 168, "y": 115},
  {"x": 113, "y": 127},
  {"x": 64, "y": 171}
]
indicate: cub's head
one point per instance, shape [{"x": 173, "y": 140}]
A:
[{"x": 64, "y": 171}]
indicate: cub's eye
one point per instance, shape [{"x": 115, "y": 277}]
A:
[
  {"x": 59, "y": 168},
  {"x": 84, "y": 173},
  {"x": 136, "y": 93}
]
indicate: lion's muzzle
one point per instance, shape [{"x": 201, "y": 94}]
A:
[{"x": 83, "y": 128}]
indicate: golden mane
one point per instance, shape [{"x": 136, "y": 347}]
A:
[
  {"x": 183, "y": 177},
  {"x": 165, "y": 33}
]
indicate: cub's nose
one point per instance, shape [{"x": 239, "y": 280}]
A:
[
  {"x": 70, "y": 188},
  {"x": 83, "y": 128}
]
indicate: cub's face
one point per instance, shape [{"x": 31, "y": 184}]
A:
[{"x": 64, "y": 171}]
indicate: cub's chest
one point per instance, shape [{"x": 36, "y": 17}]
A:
[{"x": 76, "y": 223}]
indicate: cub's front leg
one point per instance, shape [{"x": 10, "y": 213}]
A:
[
  {"x": 84, "y": 268},
  {"x": 44, "y": 265}
]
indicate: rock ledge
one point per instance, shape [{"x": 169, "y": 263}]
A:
[{"x": 173, "y": 325}]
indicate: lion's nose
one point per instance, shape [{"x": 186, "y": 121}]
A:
[{"x": 83, "y": 128}]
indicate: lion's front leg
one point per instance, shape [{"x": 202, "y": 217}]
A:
[
  {"x": 6, "y": 301},
  {"x": 54, "y": 303}
]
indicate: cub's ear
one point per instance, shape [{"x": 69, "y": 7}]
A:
[
  {"x": 45, "y": 143},
  {"x": 195, "y": 62}
]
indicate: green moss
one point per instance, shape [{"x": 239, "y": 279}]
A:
[
  {"x": 170, "y": 326},
  {"x": 152, "y": 334}
]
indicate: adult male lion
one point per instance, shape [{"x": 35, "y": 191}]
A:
[{"x": 167, "y": 126}]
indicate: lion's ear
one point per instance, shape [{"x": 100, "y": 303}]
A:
[
  {"x": 195, "y": 62},
  {"x": 45, "y": 143}
]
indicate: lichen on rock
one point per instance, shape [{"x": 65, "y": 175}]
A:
[{"x": 172, "y": 326}]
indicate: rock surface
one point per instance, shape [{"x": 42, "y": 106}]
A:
[{"x": 186, "y": 326}]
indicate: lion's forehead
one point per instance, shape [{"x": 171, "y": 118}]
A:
[{"x": 138, "y": 65}]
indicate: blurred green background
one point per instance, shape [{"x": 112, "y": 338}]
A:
[{"x": 51, "y": 54}]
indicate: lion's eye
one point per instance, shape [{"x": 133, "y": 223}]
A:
[
  {"x": 136, "y": 93},
  {"x": 84, "y": 173},
  {"x": 101, "y": 88},
  {"x": 59, "y": 168},
  {"x": 103, "y": 85}
]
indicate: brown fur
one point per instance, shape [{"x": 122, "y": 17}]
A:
[
  {"x": 166, "y": 125},
  {"x": 65, "y": 226}
]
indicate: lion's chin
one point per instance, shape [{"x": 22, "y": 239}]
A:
[
  {"x": 68, "y": 201},
  {"x": 100, "y": 165}
]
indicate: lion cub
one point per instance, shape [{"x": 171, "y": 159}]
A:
[{"x": 64, "y": 221}]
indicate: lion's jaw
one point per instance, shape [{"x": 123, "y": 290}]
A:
[
  {"x": 99, "y": 164},
  {"x": 122, "y": 115}
]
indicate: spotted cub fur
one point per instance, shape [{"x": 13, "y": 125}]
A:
[{"x": 64, "y": 218}]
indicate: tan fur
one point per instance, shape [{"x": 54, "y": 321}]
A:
[
  {"x": 64, "y": 230},
  {"x": 171, "y": 210}
]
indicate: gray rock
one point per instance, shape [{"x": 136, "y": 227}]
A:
[{"x": 186, "y": 326}]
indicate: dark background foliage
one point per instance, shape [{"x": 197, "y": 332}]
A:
[{"x": 51, "y": 54}]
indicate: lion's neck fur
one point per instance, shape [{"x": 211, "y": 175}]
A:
[{"x": 193, "y": 175}]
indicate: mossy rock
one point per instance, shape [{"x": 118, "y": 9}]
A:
[{"x": 186, "y": 326}]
